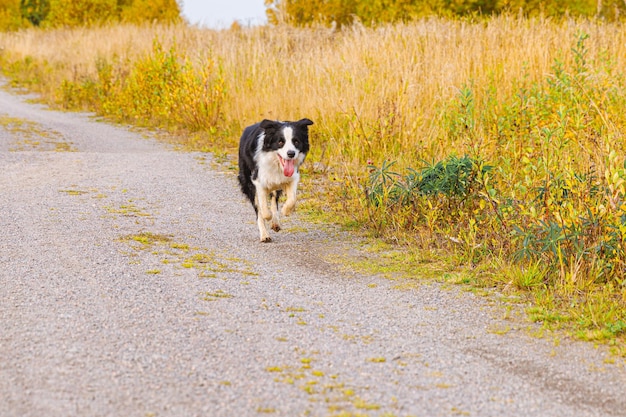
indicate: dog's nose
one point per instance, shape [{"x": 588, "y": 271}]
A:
[{"x": 291, "y": 154}]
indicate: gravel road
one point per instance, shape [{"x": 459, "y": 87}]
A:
[{"x": 133, "y": 284}]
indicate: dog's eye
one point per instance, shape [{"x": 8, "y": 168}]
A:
[
  {"x": 296, "y": 142},
  {"x": 281, "y": 142}
]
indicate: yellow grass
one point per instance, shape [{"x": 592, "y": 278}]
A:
[
  {"x": 359, "y": 85},
  {"x": 392, "y": 94}
]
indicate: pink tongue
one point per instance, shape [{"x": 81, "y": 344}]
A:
[{"x": 288, "y": 168}]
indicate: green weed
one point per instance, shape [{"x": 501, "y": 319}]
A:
[
  {"x": 215, "y": 295},
  {"x": 74, "y": 192},
  {"x": 148, "y": 238}
]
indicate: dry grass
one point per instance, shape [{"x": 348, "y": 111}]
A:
[
  {"x": 361, "y": 86},
  {"x": 410, "y": 93}
]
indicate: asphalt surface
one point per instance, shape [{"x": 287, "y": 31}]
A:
[{"x": 132, "y": 283}]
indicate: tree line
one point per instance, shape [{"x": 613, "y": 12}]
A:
[
  {"x": 17, "y": 14},
  {"x": 372, "y": 12}
]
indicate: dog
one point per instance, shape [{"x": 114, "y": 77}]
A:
[{"x": 270, "y": 154}]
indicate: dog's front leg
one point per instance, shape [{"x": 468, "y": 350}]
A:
[
  {"x": 275, "y": 223},
  {"x": 264, "y": 234},
  {"x": 290, "y": 192},
  {"x": 261, "y": 202}
]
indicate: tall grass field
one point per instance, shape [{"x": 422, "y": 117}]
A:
[{"x": 495, "y": 148}]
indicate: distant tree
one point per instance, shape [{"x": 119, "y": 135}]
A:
[
  {"x": 552, "y": 7},
  {"x": 35, "y": 11},
  {"x": 80, "y": 13},
  {"x": 137, "y": 11},
  {"x": 11, "y": 15}
]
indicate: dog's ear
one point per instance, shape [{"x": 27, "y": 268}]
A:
[
  {"x": 304, "y": 122},
  {"x": 270, "y": 125}
]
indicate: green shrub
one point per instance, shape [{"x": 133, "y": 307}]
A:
[{"x": 162, "y": 89}]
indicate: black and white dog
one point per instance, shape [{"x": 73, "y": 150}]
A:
[{"x": 270, "y": 153}]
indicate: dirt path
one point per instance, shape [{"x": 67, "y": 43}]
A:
[{"x": 132, "y": 284}]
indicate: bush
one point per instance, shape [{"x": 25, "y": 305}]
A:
[{"x": 162, "y": 89}]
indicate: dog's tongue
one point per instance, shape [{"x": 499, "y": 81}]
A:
[{"x": 288, "y": 168}]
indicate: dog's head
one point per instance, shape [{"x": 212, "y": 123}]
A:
[{"x": 290, "y": 141}]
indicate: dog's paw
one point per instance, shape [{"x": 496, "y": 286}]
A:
[
  {"x": 266, "y": 239},
  {"x": 275, "y": 227}
]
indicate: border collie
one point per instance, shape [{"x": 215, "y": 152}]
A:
[{"x": 270, "y": 153}]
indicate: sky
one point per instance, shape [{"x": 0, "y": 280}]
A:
[{"x": 219, "y": 14}]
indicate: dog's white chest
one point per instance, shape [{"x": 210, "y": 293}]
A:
[{"x": 270, "y": 175}]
